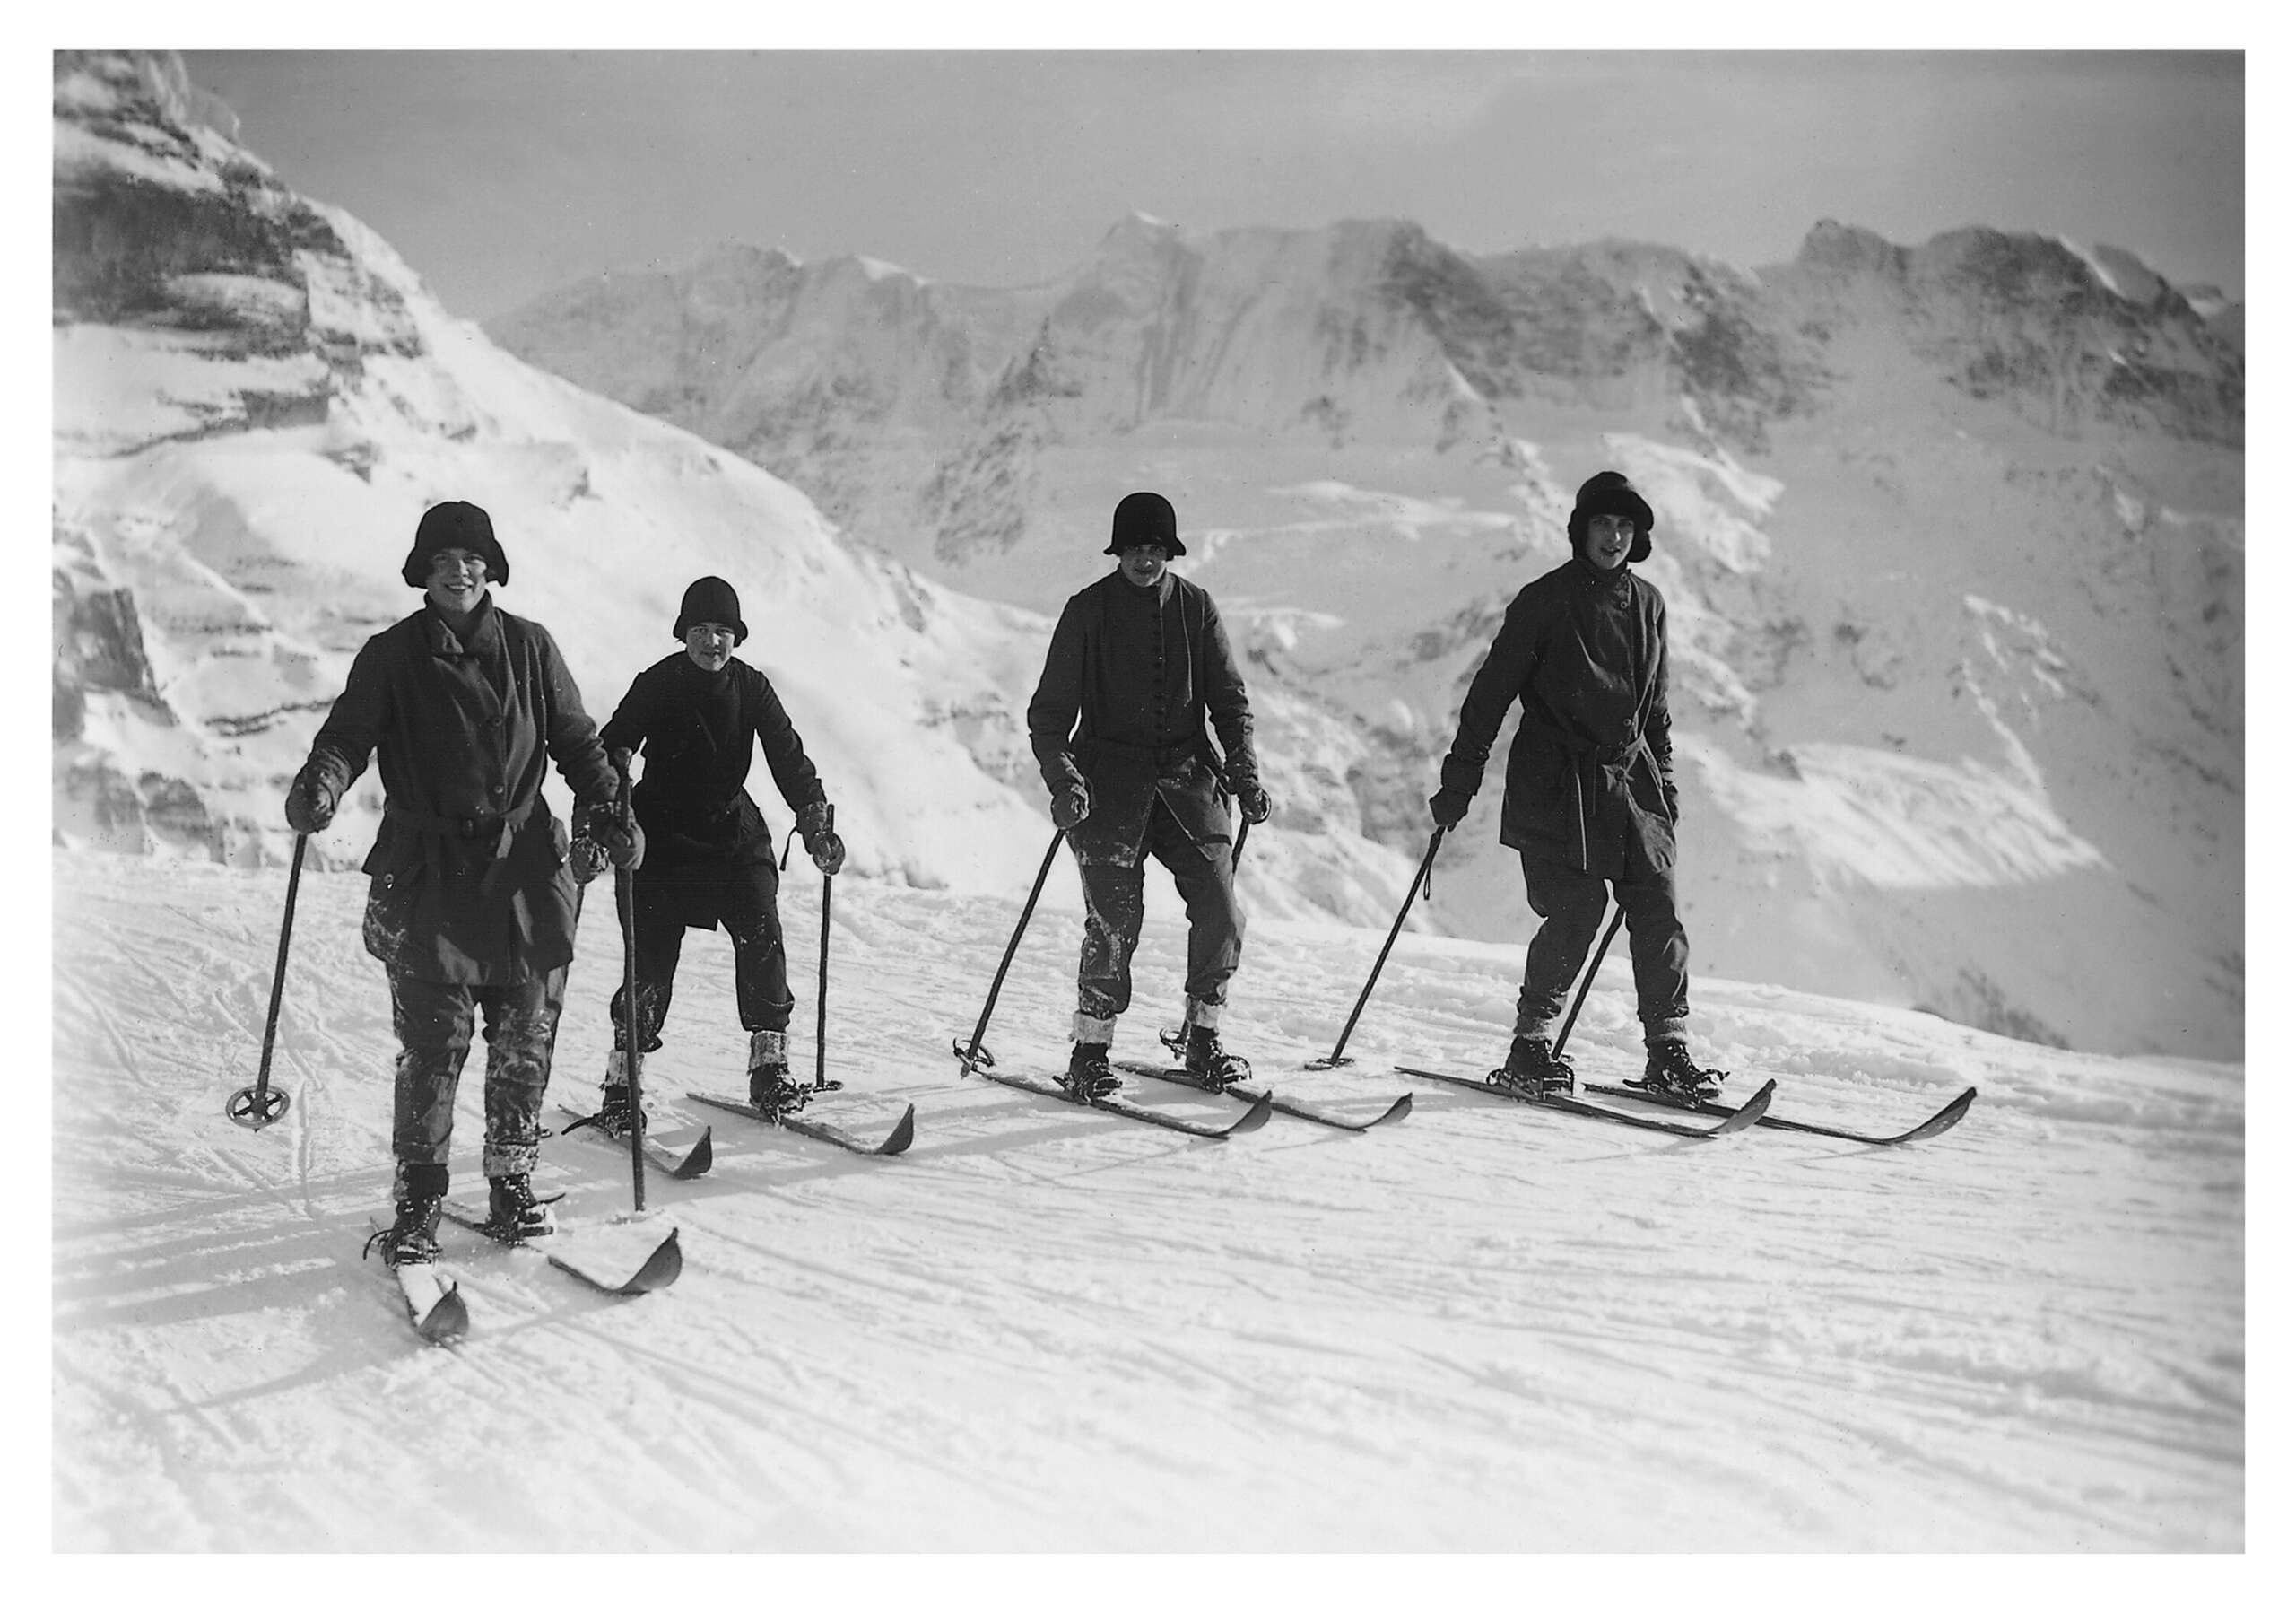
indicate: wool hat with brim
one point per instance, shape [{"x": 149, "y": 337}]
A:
[
  {"x": 450, "y": 524},
  {"x": 1145, "y": 518},
  {"x": 1609, "y": 492},
  {"x": 710, "y": 600}
]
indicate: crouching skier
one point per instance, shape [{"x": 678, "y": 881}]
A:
[
  {"x": 1590, "y": 791},
  {"x": 471, "y": 904},
  {"x": 698, "y": 715},
  {"x": 1138, "y": 662}
]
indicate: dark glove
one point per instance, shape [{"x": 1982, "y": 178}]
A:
[
  {"x": 619, "y": 839},
  {"x": 1253, "y": 803},
  {"x": 823, "y": 844},
  {"x": 311, "y": 806},
  {"x": 1449, "y": 806},
  {"x": 585, "y": 857},
  {"x": 1071, "y": 808}
]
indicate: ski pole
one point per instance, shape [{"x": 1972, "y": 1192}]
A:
[
  {"x": 1237, "y": 856},
  {"x": 1333, "y": 1060},
  {"x": 969, "y": 1057},
  {"x": 821, "y": 1013},
  {"x": 255, "y": 1107},
  {"x": 625, "y": 896},
  {"x": 1571, "y": 1018}
]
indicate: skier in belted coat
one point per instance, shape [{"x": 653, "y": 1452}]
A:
[
  {"x": 472, "y": 903},
  {"x": 1590, "y": 802},
  {"x": 1138, "y": 667}
]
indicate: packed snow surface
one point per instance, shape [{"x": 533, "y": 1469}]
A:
[{"x": 1044, "y": 1328}]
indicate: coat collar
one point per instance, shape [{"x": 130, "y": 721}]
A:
[
  {"x": 443, "y": 641},
  {"x": 1161, "y": 591}
]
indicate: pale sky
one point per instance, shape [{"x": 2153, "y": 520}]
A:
[{"x": 501, "y": 175}]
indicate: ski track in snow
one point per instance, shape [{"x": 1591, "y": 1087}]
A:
[{"x": 2026, "y": 1335}]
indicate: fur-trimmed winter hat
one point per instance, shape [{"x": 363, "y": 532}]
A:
[
  {"x": 1608, "y": 492},
  {"x": 455, "y": 524},
  {"x": 1143, "y": 518},
  {"x": 710, "y": 600}
]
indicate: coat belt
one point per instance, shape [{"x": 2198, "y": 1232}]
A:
[{"x": 467, "y": 829}]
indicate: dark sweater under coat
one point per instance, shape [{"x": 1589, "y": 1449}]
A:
[{"x": 1584, "y": 653}]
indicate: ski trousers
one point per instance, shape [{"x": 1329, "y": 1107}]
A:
[
  {"x": 1113, "y": 910},
  {"x": 751, "y": 913},
  {"x": 434, "y": 1020},
  {"x": 1571, "y": 906}
]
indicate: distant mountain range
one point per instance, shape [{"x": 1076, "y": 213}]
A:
[{"x": 1952, "y": 537}]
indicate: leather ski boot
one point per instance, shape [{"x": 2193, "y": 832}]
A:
[
  {"x": 1201, "y": 1057},
  {"x": 615, "y": 1111},
  {"x": 1087, "y": 1076},
  {"x": 412, "y": 1238},
  {"x": 513, "y": 1213},
  {"x": 771, "y": 1090},
  {"x": 1671, "y": 1073},
  {"x": 1533, "y": 1067}
]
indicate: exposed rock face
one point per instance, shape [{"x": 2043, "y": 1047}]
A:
[{"x": 161, "y": 223}]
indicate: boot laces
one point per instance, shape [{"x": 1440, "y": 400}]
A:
[{"x": 413, "y": 1237}]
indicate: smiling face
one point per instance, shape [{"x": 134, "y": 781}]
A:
[
  {"x": 1143, "y": 564},
  {"x": 709, "y": 646},
  {"x": 1610, "y": 536},
  {"x": 457, "y": 581}
]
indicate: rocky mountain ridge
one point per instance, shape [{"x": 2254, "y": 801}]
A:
[{"x": 1867, "y": 462}]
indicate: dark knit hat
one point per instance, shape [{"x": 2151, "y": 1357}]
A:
[
  {"x": 1143, "y": 518},
  {"x": 1608, "y": 492},
  {"x": 710, "y": 600},
  {"x": 455, "y": 524}
]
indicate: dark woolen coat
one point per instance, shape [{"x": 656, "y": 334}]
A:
[
  {"x": 470, "y": 882},
  {"x": 1584, "y": 653},
  {"x": 1135, "y": 684},
  {"x": 703, "y": 831}
]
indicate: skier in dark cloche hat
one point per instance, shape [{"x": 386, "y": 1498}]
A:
[
  {"x": 1590, "y": 801},
  {"x": 1138, "y": 666},
  {"x": 698, "y": 716}
]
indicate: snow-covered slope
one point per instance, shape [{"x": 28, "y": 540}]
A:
[
  {"x": 1952, "y": 535},
  {"x": 1485, "y": 1328}
]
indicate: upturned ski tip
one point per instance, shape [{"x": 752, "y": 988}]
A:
[
  {"x": 447, "y": 1320},
  {"x": 1255, "y": 1116},
  {"x": 1751, "y": 1112}
]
